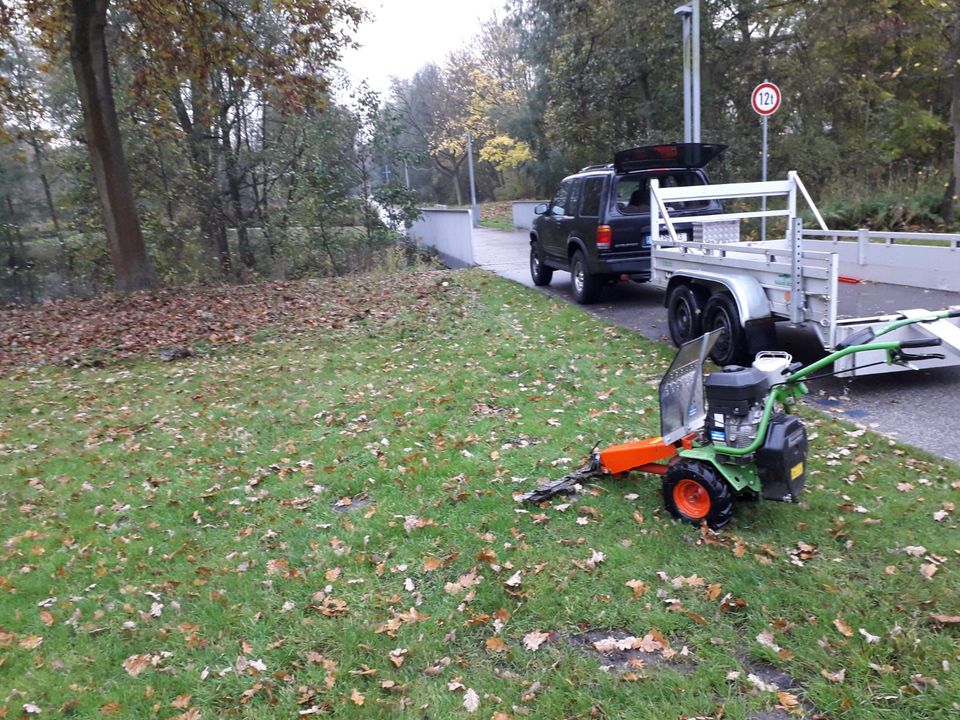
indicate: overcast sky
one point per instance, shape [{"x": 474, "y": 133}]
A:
[{"x": 404, "y": 35}]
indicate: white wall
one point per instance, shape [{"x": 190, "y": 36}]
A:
[
  {"x": 450, "y": 232},
  {"x": 523, "y": 213}
]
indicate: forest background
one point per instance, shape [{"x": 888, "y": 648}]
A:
[{"x": 145, "y": 142}]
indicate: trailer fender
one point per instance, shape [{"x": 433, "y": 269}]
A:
[{"x": 751, "y": 300}]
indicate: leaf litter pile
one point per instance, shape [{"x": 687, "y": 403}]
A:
[
  {"x": 172, "y": 323},
  {"x": 321, "y": 520}
]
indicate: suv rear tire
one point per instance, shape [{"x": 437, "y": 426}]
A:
[
  {"x": 541, "y": 274},
  {"x": 586, "y": 287}
]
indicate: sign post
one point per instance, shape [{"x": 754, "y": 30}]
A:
[{"x": 766, "y": 101}]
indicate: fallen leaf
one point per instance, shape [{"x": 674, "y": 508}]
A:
[
  {"x": 496, "y": 644},
  {"x": 928, "y": 570},
  {"x": 533, "y": 640},
  {"x": 945, "y": 619},
  {"x": 513, "y": 580},
  {"x": 766, "y": 639},
  {"x": 136, "y": 664},
  {"x": 840, "y": 624},
  {"x": 31, "y": 642},
  {"x": 397, "y": 656},
  {"x": 761, "y": 684},
  {"x": 871, "y": 639},
  {"x": 788, "y": 701},
  {"x": 834, "y": 677},
  {"x": 357, "y": 698},
  {"x": 471, "y": 701}
]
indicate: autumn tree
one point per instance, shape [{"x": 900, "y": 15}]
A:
[{"x": 194, "y": 62}]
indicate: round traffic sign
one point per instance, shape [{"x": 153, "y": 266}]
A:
[{"x": 765, "y": 99}]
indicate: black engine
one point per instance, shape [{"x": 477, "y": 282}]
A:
[{"x": 735, "y": 401}]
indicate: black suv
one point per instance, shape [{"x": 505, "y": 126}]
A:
[{"x": 597, "y": 226}]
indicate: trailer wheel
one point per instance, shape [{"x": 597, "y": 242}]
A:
[
  {"x": 693, "y": 491},
  {"x": 541, "y": 274},
  {"x": 720, "y": 313},
  {"x": 684, "y": 314}
]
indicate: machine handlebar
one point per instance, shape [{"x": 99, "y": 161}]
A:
[{"x": 920, "y": 342}]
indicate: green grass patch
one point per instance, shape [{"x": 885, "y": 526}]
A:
[
  {"x": 325, "y": 524},
  {"x": 497, "y": 215}
]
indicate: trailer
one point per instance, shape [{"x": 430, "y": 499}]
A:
[{"x": 716, "y": 281}]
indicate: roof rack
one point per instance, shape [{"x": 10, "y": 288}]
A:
[{"x": 597, "y": 167}]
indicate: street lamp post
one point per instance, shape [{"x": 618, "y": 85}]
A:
[
  {"x": 690, "y": 18},
  {"x": 474, "y": 210}
]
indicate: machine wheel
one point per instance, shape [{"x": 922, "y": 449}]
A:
[
  {"x": 541, "y": 274},
  {"x": 695, "y": 492},
  {"x": 586, "y": 287},
  {"x": 720, "y": 313},
  {"x": 684, "y": 314}
]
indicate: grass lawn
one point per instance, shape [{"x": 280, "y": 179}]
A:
[{"x": 322, "y": 522}]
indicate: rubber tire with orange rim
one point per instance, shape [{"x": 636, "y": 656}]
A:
[{"x": 694, "y": 491}]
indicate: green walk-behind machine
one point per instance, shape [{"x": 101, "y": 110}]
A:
[{"x": 732, "y": 434}]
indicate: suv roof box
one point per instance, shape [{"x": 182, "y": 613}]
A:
[{"x": 669, "y": 155}]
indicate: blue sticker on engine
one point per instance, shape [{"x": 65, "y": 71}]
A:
[{"x": 718, "y": 436}]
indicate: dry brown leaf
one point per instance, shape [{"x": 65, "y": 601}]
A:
[
  {"x": 638, "y": 586},
  {"x": 496, "y": 644},
  {"x": 788, "y": 701},
  {"x": 431, "y": 564},
  {"x": 945, "y": 619},
  {"x": 31, "y": 642},
  {"x": 356, "y": 697},
  {"x": 181, "y": 702},
  {"x": 840, "y": 624},
  {"x": 397, "y": 656},
  {"x": 834, "y": 677},
  {"x": 928, "y": 570},
  {"x": 136, "y": 664}
]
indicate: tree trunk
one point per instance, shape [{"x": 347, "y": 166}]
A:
[
  {"x": 950, "y": 195},
  {"x": 88, "y": 56},
  {"x": 203, "y": 147},
  {"x": 232, "y": 171}
]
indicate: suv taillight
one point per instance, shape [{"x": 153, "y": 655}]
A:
[{"x": 604, "y": 237}]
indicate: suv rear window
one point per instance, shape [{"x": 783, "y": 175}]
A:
[
  {"x": 633, "y": 192},
  {"x": 592, "y": 192}
]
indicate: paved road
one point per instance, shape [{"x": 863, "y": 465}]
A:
[{"x": 922, "y": 408}]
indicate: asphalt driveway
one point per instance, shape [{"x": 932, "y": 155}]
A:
[{"x": 918, "y": 408}]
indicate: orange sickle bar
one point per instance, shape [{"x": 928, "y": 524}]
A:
[{"x": 638, "y": 455}]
